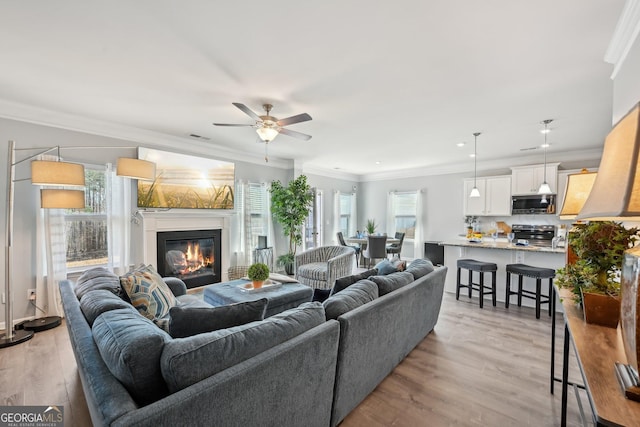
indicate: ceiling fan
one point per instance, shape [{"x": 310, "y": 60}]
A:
[{"x": 268, "y": 127}]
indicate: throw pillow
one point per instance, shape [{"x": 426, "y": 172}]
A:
[
  {"x": 148, "y": 292},
  {"x": 392, "y": 281},
  {"x": 350, "y": 298},
  {"x": 97, "y": 278},
  {"x": 94, "y": 303},
  {"x": 344, "y": 282},
  {"x": 187, "y": 321},
  {"x": 399, "y": 264},
  {"x": 385, "y": 267},
  {"x": 420, "y": 267},
  {"x": 131, "y": 347}
]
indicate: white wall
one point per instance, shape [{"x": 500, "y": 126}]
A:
[
  {"x": 626, "y": 85},
  {"x": 26, "y": 195}
]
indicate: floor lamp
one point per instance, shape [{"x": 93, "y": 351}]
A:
[{"x": 60, "y": 174}]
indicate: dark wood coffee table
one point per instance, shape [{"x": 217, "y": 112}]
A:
[{"x": 281, "y": 298}]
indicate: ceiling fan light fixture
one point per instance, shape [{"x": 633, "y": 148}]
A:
[{"x": 267, "y": 134}]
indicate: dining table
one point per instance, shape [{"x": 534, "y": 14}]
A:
[{"x": 362, "y": 242}]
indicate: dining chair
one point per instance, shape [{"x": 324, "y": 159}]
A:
[
  {"x": 357, "y": 248},
  {"x": 376, "y": 248},
  {"x": 396, "y": 248}
]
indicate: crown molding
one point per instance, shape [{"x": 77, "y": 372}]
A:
[
  {"x": 331, "y": 173},
  {"x": 625, "y": 34},
  {"x": 25, "y": 113},
  {"x": 488, "y": 165}
]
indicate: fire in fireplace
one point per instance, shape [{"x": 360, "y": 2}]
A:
[{"x": 192, "y": 256}]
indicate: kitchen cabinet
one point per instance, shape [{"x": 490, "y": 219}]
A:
[
  {"x": 527, "y": 179},
  {"x": 494, "y": 200}
]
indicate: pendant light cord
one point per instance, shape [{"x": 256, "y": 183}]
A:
[
  {"x": 546, "y": 131},
  {"x": 475, "y": 159}
]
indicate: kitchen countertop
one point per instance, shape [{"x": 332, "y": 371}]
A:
[{"x": 500, "y": 244}]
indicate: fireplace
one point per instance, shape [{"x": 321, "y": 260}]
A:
[{"x": 190, "y": 255}]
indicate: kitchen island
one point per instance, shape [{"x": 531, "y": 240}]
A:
[{"x": 502, "y": 253}]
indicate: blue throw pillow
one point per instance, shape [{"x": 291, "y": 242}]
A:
[{"x": 385, "y": 267}]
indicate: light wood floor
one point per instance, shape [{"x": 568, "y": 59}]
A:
[{"x": 486, "y": 367}]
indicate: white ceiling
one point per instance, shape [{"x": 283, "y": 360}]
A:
[{"x": 398, "y": 83}]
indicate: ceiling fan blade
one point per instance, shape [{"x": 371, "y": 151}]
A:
[
  {"x": 228, "y": 124},
  {"x": 294, "y": 119},
  {"x": 295, "y": 134},
  {"x": 247, "y": 111}
]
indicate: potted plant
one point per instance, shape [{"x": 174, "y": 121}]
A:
[
  {"x": 258, "y": 273},
  {"x": 371, "y": 226},
  {"x": 594, "y": 278},
  {"x": 290, "y": 207}
]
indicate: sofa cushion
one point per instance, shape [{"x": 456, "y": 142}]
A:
[
  {"x": 186, "y": 361},
  {"x": 148, "y": 293},
  {"x": 97, "y": 278},
  {"x": 391, "y": 282},
  {"x": 352, "y": 297},
  {"x": 94, "y": 303},
  {"x": 131, "y": 346},
  {"x": 186, "y": 321},
  {"x": 420, "y": 267},
  {"x": 344, "y": 282},
  {"x": 385, "y": 267}
]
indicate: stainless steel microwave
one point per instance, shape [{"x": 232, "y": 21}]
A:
[{"x": 533, "y": 204}]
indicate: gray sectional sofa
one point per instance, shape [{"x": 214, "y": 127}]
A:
[{"x": 306, "y": 366}]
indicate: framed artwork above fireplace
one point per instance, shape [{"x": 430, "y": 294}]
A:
[{"x": 186, "y": 182}]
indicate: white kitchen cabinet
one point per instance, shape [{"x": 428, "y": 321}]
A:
[
  {"x": 494, "y": 200},
  {"x": 527, "y": 179}
]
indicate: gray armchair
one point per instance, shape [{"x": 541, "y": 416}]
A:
[{"x": 320, "y": 267}]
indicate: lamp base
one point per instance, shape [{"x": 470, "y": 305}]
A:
[
  {"x": 628, "y": 380},
  {"x": 18, "y": 337},
  {"x": 42, "y": 324}
]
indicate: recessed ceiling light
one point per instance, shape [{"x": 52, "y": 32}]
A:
[
  {"x": 378, "y": 162},
  {"x": 461, "y": 144},
  {"x": 546, "y": 145},
  {"x": 472, "y": 155}
]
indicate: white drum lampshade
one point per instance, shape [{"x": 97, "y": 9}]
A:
[
  {"x": 136, "y": 168},
  {"x": 46, "y": 172},
  {"x": 55, "y": 198}
]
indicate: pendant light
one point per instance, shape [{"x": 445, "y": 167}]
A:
[
  {"x": 474, "y": 191},
  {"x": 544, "y": 187}
]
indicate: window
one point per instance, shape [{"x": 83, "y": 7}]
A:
[
  {"x": 258, "y": 212},
  {"x": 404, "y": 208},
  {"x": 86, "y": 229},
  {"x": 346, "y": 216}
]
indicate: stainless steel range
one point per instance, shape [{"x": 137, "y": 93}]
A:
[{"x": 536, "y": 235}]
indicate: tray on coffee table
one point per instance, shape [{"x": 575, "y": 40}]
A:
[{"x": 267, "y": 285}]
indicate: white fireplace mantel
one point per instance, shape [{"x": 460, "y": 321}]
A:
[{"x": 153, "y": 222}]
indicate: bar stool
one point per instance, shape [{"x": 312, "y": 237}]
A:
[
  {"x": 480, "y": 267},
  {"x": 538, "y": 273}
]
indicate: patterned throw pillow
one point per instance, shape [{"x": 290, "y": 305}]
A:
[{"x": 148, "y": 292}]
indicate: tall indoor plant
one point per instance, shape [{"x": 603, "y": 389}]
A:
[
  {"x": 290, "y": 207},
  {"x": 599, "y": 247}
]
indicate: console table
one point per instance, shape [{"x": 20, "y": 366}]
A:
[
  {"x": 265, "y": 256},
  {"x": 597, "y": 349}
]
